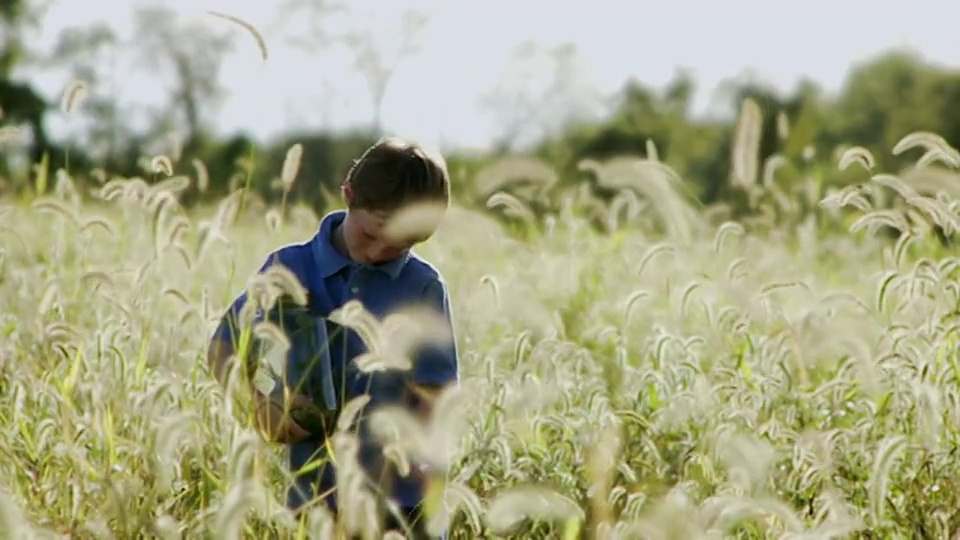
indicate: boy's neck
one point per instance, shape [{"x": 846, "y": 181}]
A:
[{"x": 339, "y": 240}]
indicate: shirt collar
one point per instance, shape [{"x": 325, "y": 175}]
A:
[{"x": 330, "y": 261}]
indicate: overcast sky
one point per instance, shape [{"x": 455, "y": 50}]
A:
[{"x": 466, "y": 46}]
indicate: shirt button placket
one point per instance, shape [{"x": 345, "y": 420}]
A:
[{"x": 352, "y": 282}]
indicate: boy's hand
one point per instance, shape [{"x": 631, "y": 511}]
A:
[
  {"x": 275, "y": 420},
  {"x": 425, "y": 395}
]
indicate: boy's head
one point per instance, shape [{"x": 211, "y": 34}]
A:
[{"x": 396, "y": 193}]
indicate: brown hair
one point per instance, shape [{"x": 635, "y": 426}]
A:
[{"x": 395, "y": 172}]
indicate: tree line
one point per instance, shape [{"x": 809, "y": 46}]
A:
[{"x": 881, "y": 101}]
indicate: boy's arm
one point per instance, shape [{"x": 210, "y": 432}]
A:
[
  {"x": 271, "y": 413},
  {"x": 221, "y": 346},
  {"x": 227, "y": 334},
  {"x": 436, "y": 366}
]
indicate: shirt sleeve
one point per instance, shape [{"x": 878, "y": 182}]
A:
[
  {"x": 435, "y": 363},
  {"x": 229, "y": 328}
]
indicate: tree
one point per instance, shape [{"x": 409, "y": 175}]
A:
[
  {"x": 188, "y": 56},
  {"x": 92, "y": 54},
  {"x": 377, "y": 48},
  {"x": 20, "y": 101},
  {"x": 541, "y": 92},
  {"x": 378, "y": 63},
  {"x": 889, "y": 97}
]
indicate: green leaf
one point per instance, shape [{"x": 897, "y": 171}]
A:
[{"x": 572, "y": 528}]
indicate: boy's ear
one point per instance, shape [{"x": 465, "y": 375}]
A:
[{"x": 347, "y": 190}]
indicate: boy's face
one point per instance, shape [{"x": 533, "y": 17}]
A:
[
  {"x": 377, "y": 236},
  {"x": 367, "y": 238}
]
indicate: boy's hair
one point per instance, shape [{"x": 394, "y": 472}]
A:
[{"x": 395, "y": 172}]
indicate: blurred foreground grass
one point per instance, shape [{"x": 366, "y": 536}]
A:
[{"x": 782, "y": 381}]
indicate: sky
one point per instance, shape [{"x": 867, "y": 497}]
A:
[{"x": 466, "y": 47}]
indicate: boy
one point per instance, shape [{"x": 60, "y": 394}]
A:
[{"x": 354, "y": 256}]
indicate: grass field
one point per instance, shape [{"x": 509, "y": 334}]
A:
[{"x": 755, "y": 382}]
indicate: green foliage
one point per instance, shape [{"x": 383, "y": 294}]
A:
[
  {"x": 652, "y": 344},
  {"x": 784, "y": 374},
  {"x": 884, "y": 99}
]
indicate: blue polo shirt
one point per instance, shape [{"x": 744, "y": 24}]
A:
[{"x": 331, "y": 280}]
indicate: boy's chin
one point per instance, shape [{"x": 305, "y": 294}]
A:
[
  {"x": 362, "y": 258},
  {"x": 365, "y": 259},
  {"x": 374, "y": 261}
]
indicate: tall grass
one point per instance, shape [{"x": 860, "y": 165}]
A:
[{"x": 670, "y": 377}]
